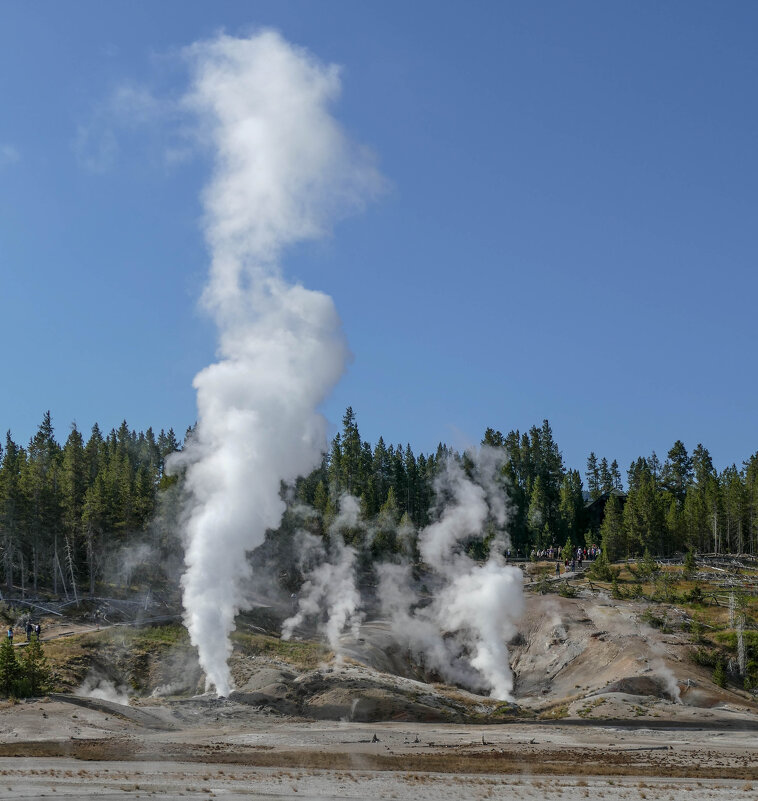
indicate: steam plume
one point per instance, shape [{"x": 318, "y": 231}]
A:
[
  {"x": 283, "y": 171},
  {"x": 478, "y": 604},
  {"x": 462, "y": 633}
]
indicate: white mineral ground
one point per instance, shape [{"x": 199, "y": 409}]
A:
[{"x": 634, "y": 717}]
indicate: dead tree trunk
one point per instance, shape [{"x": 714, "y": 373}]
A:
[{"x": 70, "y": 565}]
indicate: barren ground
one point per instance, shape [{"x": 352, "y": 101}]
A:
[
  {"x": 605, "y": 707},
  {"x": 204, "y": 748}
]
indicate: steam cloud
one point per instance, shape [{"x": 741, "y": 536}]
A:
[
  {"x": 462, "y": 633},
  {"x": 283, "y": 171}
]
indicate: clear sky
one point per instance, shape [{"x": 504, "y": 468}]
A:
[{"x": 569, "y": 229}]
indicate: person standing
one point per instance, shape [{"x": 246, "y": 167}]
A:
[
  {"x": 29, "y": 630},
  {"x": 10, "y": 634}
]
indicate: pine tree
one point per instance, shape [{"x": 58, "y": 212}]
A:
[
  {"x": 735, "y": 506},
  {"x": 381, "y": 470},
  {"x": 593, "y": 477},
  {"x": 41, "y": 485},
  {"x": 675, "y": 525},
  {"x": 538, "y": 526},
  {"x": 12, "y": 505},
  {"x": 751, "y": 493},
  {"x": 613, "y": 540},
  {"x": 385, "y": 537},
  {"x": 606, "y": 480},
  {"x": 351, "y": 478},
  {"x": 571, "y": 505},
  {"x": 677, "y": 472},
  {"x": 616, "y": 482},
  {"x": 34, "y": 668},
  {"x": 73, "y": 482},
  {"x": 9, "y": 670},
  {"x": 644, "y": 520},
  {"x": 334, "y": 468}
]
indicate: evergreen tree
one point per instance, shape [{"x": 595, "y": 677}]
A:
[
  {"x": 735, "y": 506},
  {"x": 644, "y": 522},
  {"x": 9, "y": 670},
  {"x": 677, "y": 472},
  {"x": 34, "y": 669},
  {"x": 612, "y": 536},
  {"x": 539, "y": 529},
  {"x": 571, "y": 506},
  {"x": 381, "y": 469},
  {"x": 385, "y": 537},
  {"x": 351, "y": 479},
  {"x": 12, "y": 505},
  {"x": 636, "y": 470},
  {"x": 334, "y": 467},
  {"x": 593, "y": 477},
  {"x": 606, "y": 479},
  {"x": 616, "y": 482},
  {"x": 675, "y": 525},
  {"x": 751, "y": 497},
  {"x": 41, "y": 484}
]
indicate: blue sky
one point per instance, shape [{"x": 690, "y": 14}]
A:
[{"x": 569, "y": 228}]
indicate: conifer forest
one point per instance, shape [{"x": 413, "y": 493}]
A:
[{"x": 69, "y": 512}]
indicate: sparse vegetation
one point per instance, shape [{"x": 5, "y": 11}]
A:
[
  {"x": 305, "y": 655},
  {"x": 588, "y": 708},
  {"x": 601, "y": 569},
  {"x": 26, "y": 676},
  {"x": 719, "y": 674},
  {"x": 566, "y": 590}
]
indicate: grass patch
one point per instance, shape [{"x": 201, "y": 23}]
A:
[
  {"x": 556, "y": 712},
  {"x": 587, "y": 709},
  {"x": 298, "y": 653}
]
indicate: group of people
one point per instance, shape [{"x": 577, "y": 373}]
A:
[
  {"x": 546, "y": 553},
  {"x": 577, "y": 558},
  {"x": 30, "y": 629}
]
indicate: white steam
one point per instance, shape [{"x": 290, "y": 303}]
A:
[
  {"x": 283, "y": 171},
  {"x": 330, "y": 595},
  {"x": 101, "y": 687},
  {"x": 462, "y": 631},
  {"x": 475, "y": 608}
]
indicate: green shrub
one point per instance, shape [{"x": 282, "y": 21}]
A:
[
  {"x": 696, "y": 630},
  {"x": 648, "y": 566},
  {"x": 690, "y": 565},
  {"x": 719, "y": 674},
  {"x": 9, "y": 669},
  {"x": 751, "y": 675},
  {"x": 566, "y": 590},
  {"x": 543, "y": 586},
  {"x": 24, "y": 677},
  {"x": 654, "y": 621},
  {"x": 635, "y": 591},
  {"x": 601, "y": 570},
  {"x": 695, "y": 596},
  {"x": 705, "y": 658}
]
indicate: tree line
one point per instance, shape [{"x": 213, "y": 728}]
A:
[{"x": 67, "y": 510}]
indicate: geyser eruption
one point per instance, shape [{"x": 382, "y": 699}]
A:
[{"x": 283, "y": 170}]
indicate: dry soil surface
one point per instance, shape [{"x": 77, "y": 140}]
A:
[{"x": 206, "y": 748}]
